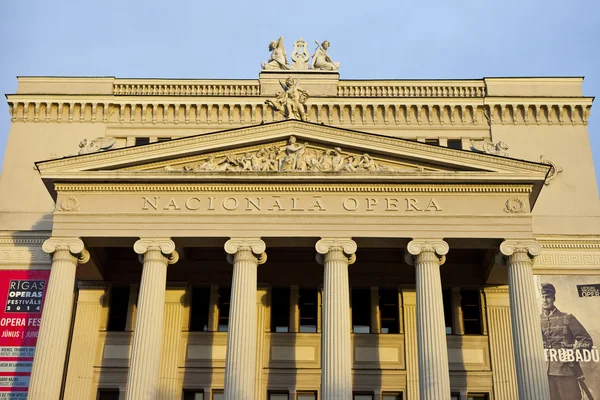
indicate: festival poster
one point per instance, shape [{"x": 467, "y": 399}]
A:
[
  {"x": 22, "y": 294},
  {"x": 570, "y": 329}
]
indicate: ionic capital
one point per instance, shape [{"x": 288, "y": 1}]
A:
[
  {"x": 74, "y": 246},
  {"x": 531, "y": 247},
  {"x": 165, "y": 245},
  {"x": 426, "y": 247},
  {"x": 255, "y": 245},
  {"x": 345, "y": 245}
]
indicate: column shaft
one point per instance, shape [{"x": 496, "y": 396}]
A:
[
  {"x": 336, "y": 346},
  {"x": 144, "y": 364},
  {"x": 53, "y": 339},
  {"x": 431, "y": 330},
  {"x": 240, "y": 363},
  {"x": 530, "y": 362}
]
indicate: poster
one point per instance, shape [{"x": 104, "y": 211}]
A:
[
  {"x": 22, "y": 294},
  {"x": 570, "y": 329}
]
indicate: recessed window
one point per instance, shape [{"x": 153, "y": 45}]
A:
[
  {"x": 108, "y": 394},
  {"x": 164, "y": 139},
  {"x": 361, "y": 310},
  {"x": 280, "y": 310},
  {"x": 362, "y": 396},
  {"x": 306, "y": 396},
  {"x": 471, "y": 311},
  {"x": 141, "y": 140},
  {"x": 455, "y": 396},
  {"x": 308, "y": 307},
  {"x": 447, "y": 298},
  {"x": 388, "y": 311},
  {"x": 199, "y": 308},
  {"x": 455, "y": 144},
  {"x": 392, "y": 396},
  {"x": 477, "y": 396},
  {"x": 117, "y": 308},
  {"x": 218, "y": 395},
  {"x": 433, "y": 141},
  {"x": 193, "y": 395},
  {"x": 224, "y": 299},
  {"x": 279, "y": 396}
]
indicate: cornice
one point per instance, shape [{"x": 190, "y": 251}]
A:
[
  {"x": 414, "y": 112},
  {"x": 380, "y": 144},
  {"x": 324, "y": 188},
  {"x": 571, "y": 244}
]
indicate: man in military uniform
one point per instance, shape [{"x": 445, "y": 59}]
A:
[{"x": 563, "y": 336}]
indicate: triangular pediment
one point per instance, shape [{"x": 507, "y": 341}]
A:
[{"x": 267, "y": 151}]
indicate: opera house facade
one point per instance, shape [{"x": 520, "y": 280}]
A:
[{"x": 299, "y": 237}]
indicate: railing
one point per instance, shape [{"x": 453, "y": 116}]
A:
[
  {"x": 350, "y": 89},
  {"x": 186, "y": 89}
]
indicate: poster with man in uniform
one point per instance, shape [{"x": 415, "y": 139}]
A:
[{"x": 570, "y": 331}]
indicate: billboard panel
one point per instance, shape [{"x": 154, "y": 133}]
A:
[
  {"x": 570, "y": 329},
  {"x": 22, "y": 294}
]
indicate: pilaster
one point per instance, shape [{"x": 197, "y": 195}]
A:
[
  {"x": 532, "y": 380},
  {"x": 168, "y": 385},
  {"x": 80, "y": 372},
  {"x": 240, "y": 366},
  {"x": 336, "y": 254},
  {"x": 263, "y": 326},
  {"x": 144, "y": 364},
  {"x": 501, "y": 343},
  {"x": 53, "y": 339},
  {"x": 409, "y": 299},
  {"x": 427, "y": 256}
]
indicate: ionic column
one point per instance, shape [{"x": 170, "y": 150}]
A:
[
  {"x": 144, "y": 364},
  {"x": 532, "y": 381},
  {"x": 53, "y": 338},
  {"x": 336, "y": 255},
  {"x": 432, "y": 349},
  {"x": 240, "y": 365}
]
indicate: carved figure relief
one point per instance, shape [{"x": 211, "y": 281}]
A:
[
  {"x": 278, "y": 59},
  {"x": 300, "y": 56},
  {"x": 291, "y": 103},
  {"x": 292, "y": 156},
  {"x": 321, "y": 60},
  {"x": 554, "y": 169},
  {"x": 96, "y": 145},
  {"x": 489, "y": 147},
  {"x": 514, "y": 205}
]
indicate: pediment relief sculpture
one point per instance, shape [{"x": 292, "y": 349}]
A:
[
  {"x": 292, "y": 157},
  {"x": 489, "y": 147},
  {"x": 291, "y": 103}
]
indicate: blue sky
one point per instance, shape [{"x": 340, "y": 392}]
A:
[{"x": 394, "y": 39}]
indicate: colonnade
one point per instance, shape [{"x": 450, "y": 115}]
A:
[{"x": 246, "y": 254}]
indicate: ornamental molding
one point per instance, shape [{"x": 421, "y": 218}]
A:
[
  {"x": 258, "y": 188},
  {"x": 70, "y": 203},
  {"x": 564, "y": 259},
  {"x": 554, "y": 169},
  {"x": 324, "y": 134},
  {"x": 23, "y": 251},
  {"x": 515, "y": 205},
  {"x": 344, "y": 110},
  {"x": 570, "y": 244}
]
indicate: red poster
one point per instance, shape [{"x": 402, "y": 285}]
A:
[{"x": 22, "y": 294}]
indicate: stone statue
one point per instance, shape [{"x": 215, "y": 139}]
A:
[
  {"x": 489, "y": 147},
  {"x": 96, "y": 145},
  {"x": 321, "y": 60},
  {"x": 300, "y": 56},
  {"x": 278, "y": 59},
  {"x": 294, "y": 156},
  {"x": 291, "y": 102}
]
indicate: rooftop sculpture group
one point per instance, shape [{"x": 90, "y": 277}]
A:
[
  {"x": 293, "y": 156},
  {"x": 320, "y": 60}
]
